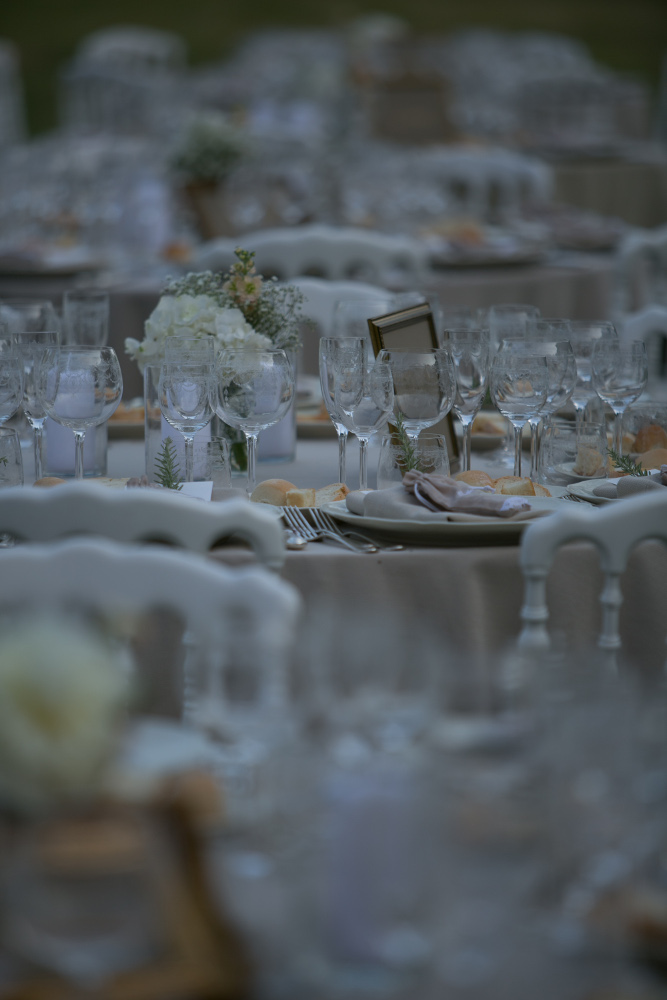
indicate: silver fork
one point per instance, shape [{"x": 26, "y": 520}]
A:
[
  {"x": 296, "y": 520},
  {"x": 326, "y": 521}
]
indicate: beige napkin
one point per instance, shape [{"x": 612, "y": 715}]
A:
[
  {"x": 396, "y": 503},
  {"x": 630, "y": 485}
]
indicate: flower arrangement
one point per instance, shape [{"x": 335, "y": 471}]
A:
[
  {"x": 238, "y": 309},
  {"x": 209, "y": 148},
  {"x": 63, "y": 694}
]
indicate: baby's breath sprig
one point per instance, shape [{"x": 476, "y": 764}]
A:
[
  {"x": 167, "y": 470},
  {"x": 625, "y": 464}
]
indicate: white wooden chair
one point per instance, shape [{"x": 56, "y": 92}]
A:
[
  {"x": 336, "y": 253},
  {"x": 235, "y": 617},
  {"x": 650, "y": 325},
  {"x": 139, "y": 515},
  {"x": 640, "y": 271},
  {"x": 615, "y": 531}
]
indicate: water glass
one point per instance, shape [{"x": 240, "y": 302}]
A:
[
  {"x": 86, "y": 317},
  {"x": 424, "y": 386},
  {"x": 583, "y": 337},
  {"x": 518, "y": 385},
  {"x": 365, "y": 398},
  {"x": 430, "y": 452},
  {"x": 571, "y": 454},
  {"x": 469, "y": 349},
  {"x": 11, "y": 462},
  {"x": 32, "y": 345},
  {"x": 11, "y": 384},
  {"x": 186, "y": 400},
  {"x": 620, "y": 374},
  {"x": 332, "y": 351}
]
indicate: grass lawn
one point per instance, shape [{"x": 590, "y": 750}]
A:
[{"x": 628, "y": 36}]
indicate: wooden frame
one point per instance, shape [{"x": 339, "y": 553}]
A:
[{"x": 413, "y": 329}]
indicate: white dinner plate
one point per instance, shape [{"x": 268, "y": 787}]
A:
[
  {"x": 567, "y": 469},
  {"x": 495, "y": 531},
  {"x": 585, "y": 490}
]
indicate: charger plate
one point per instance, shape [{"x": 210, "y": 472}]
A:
[
  {"x": 495, "y": 531},
  {"x": 585, "y": 491}
]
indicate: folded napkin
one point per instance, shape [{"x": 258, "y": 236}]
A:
[
  {"x": 630, "y": 485},
  {"x": 399, "y": 503}
]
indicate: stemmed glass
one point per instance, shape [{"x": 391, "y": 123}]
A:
[
  {"x": 79, "y": 387},
  {"x": 469, "y": 349},
  {"x": 86, "y": 317},
  {"x": 32, "y": 315},
  {"x": 518, "y": 385},
  {"x": 620, "y": 373},
  {"x": 583, "y": 337},
  {"x": 331, "y": 352},
  {"x": 424, "y": 386},
  {"x": 254, "y": 391},
  {"x": 561, "y": 379},
  {"x": 11, "y": 385},
  {"x": 32, "y": 345},
  {"x": 186, "y": 393},
  {"x": 365, "y": 398}
]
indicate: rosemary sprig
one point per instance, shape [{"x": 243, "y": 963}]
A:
[
  {"x": 167, "y": 470},
  {"x": 410, "y": 459},
  {"x": 625, "y": 464},
  {"x": 3, "y": 460}
]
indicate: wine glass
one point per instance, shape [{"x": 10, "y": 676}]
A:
[
  {"x": 79, "y": 387},
  {"x": 424, "y": 386},
  {"x": 620, "y": 373},
  {"x": 364, "y": 397},
  {"x": 32, "y": 346},
  {"x": 518, "y": 386},
  {"x": 86, "y": 317},
  {"x": 469, "y": 349},
  {"x": 331, "y": 351},
  {"x": 186, "y": 393},
  {"x": 583, "y": 337},
  {"x": 511, "y": 321},
  {"x": 254, "y": 391},
  {"x": 199, "y": 350},
  {"x": 33, "y": 315},
  {"x": 11, "y": 385}
]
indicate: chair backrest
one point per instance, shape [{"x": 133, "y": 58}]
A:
[
  {"x": 139, "y": 515},
  {"x": 320, "y": 298},
  {"x": 250, "y": 606},
  {"x": 133, "y": 48},
  {"x": 615, "y": 531},
  {"x": 640, "y": 271},
  {"x": 650, "y": 325},
  {"x": 337, "y": 253}
]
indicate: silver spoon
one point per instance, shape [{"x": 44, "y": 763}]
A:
[{"x": 294, "y": 541}]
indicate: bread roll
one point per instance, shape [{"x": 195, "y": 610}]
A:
[
  {"x": 300, "y": 498},
  {"x": 541, "y": 491},
  {"x": 516, "y": 486},
  {"x": 653, "y": 459},
  {"x": 327, "y": 494},
  {"x": 273, "y": 491},
  {"x": 49, "y": 481},
  {"x": 649, "y": 437},
  {"x": 474, "y": 477}
]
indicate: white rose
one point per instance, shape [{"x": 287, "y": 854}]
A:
[
  {"x": 233, "y": 330},
  {"x": 62, "y": 695}
]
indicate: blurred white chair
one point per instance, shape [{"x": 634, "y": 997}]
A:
[
  {"x": 615, "y": 531},
  {"x": 139, "y": 515},
  {"x": 231, "y": 616},
  {"x": 650, "y": 325},
  {"x": 337, "y": 253},
  {"x": 640, "y": 271}
]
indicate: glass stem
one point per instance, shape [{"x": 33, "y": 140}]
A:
[
  {"x": 363, "y": 464},
  {"x": 251, "y": 441},
  {"x": 38, "y": 439},
  {"x": 342, "y": 441},
  {"x": 189, "y": 442},
  {"x": 79, "y": 438},
  {"x": 518, "y": 428},
  {"x": 618, "y": 432},
  {"x": 579, "y": 416},
  {"x": 534, "y": 447},
  {"x": 467, "y": 443}
]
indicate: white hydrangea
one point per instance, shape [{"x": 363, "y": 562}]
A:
[
  {"x": 192, "y": 316},
  {"x": 62, "y": 696}
]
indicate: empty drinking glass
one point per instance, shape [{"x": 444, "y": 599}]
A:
[
  {"x": 32, "y": 346},
  {"x": 186, "y": 393},
  {"x": 79, "y": 387},
  {"x": 331, "y": 348},
  {"x": 11, "y": 385},
  {"x": 365, "y": 398},
  {"x": 11, "y": 463},
  {"x": 620, "y": 373},
  {"x": 518, "y": 385},
  {"x": 583, "y": 337},
  {"x": 430, "y": 455},
  {"x": 469, "y": 349},
  {"x": 424, "y": 386},
  {"x": 254, "y": 391}
]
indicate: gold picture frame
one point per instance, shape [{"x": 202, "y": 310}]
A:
[{"x": 413, "y": 329}]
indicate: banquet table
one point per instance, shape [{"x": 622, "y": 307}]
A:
[{"x": 468, "y": 596}]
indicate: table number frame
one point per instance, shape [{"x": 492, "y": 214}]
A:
[{"x": 413, "y": 329}]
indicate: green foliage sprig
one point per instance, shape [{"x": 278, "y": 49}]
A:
[
  {"x": 3, "y": 460},
  {"x": 167, "y": 470},
  {"x": 410, "y": 459},
  {"x": 625, "y": 464}
]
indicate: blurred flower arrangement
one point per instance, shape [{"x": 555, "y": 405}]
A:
[
  {"x": 63, "y": 696},
  {"x": 238, "y": 309},
  {"x": 209, "y": 148}
]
